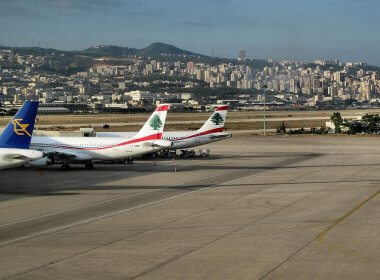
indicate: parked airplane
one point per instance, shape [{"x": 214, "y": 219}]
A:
[
  {"x": 15, "y": 139},
  {"x": 86, "y": 149},
  {"x": 211, "y": 131}
]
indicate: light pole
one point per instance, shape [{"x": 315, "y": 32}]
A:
[{"x": 265, "y": 100}]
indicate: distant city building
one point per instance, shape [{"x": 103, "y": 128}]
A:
[
  {"x": 116, "y": 84},
  {"x": 138, "y": 95},
  {"x": 242, "y": 55}
]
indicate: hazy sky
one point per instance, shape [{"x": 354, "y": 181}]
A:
[{"x": 296, "y": 29}]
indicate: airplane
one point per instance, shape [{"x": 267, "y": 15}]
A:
[
  {"x": 15, "y": 138},
  {"x": 211, "y": 131},
  {"x": 87, "y": 149}
]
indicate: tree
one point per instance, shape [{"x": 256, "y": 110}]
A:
[
  {"x": 155, "y": 122},
  {"x": 281, "y": 128},
  {"x": 217, "y": 119},
  {"x": 348, "y": 127},
  {"x": 371, "y": 122},
  {"x": 337, "y": 120}
]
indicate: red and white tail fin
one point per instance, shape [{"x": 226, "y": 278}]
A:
[
  {"x": 154, "y": 127},
  {"x": 216, "y": 121}
]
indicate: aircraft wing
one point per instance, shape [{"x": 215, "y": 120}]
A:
[{"x": 64, "y": 156}]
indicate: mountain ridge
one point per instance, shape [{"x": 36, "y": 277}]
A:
[{"x": 154, "y": 49}]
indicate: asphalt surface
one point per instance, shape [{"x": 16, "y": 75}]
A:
[{"x": 258, "y": 208}]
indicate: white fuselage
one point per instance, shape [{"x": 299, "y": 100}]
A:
[
  {"x": 10, "y": 158},
  {"x": 180, "y": 139},
  {"x": 95, "y": 148}
]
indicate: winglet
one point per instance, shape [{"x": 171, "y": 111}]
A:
[
  {"x": 19, "y": 130},
  {"x": 154, "y": 127},
  {"x": 216, "y": 121}
]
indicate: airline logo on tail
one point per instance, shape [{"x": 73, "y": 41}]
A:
[
  {"x": 20, "y": 128},
  {"x": 155, "y": 122},
  {"x": 154, "y": 125},
  {"x": 217, "y": 119},
  {"x": 18, "y": 133}
]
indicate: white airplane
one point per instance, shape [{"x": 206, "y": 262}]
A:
[
  {"x": 86, "y": 149},
  {"x": 211, "y": 131},
  {"x": 15, "y": 139}
]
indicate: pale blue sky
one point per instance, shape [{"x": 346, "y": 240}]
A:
[{"x": 295, "y": 29}]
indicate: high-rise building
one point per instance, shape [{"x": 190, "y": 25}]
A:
[
  {"x": 375, "y": 76},
  {"x": 332, "y": 91},
  {"x": 242, "y": 55},
  {"x": 190, "y": 65},
  {"x": 294, "y": 87},
  {"x": 339, "y": 77}
]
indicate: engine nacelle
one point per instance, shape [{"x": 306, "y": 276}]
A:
[
  {"x": 158, "y": 144},
  {"x": 41, "y": 162},
  {"x": 162, "y": 144}
]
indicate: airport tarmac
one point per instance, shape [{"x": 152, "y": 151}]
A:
[{"x": 302, "y": 207}]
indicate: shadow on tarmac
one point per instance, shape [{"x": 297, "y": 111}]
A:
[{"x": 38, "y": 182}]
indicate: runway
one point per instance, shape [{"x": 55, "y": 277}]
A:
[
  {"x": 199, "y": 122},
  {"x": 258, "y": 208}
]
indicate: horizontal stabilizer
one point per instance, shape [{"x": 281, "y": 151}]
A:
[{"x": 220, "y": 136}]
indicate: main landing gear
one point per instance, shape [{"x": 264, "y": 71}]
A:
[
  {"x": 89, "y": 165},
  {"x": 65, "y": 166}
]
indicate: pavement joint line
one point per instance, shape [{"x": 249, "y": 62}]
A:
[
  {"x": 236, "y": 230},
  {"x": 143, "y": 169},
  {"x": 153, "y": 228},
  {"x": 147, "y": 230},
  {"x": 190, "y": 251},
  {"x": 322, "y": 235},
  {"x": 242, "y": 227},
  {"x": 119, "y": 198},
  {"x": 109, "y": 215},
  {"x": 118, "y": 240},
  {"x": 123, "y": 197},
  {"x": 305, "y": 245}
]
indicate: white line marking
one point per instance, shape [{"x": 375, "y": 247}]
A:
[
  {"x": 109, "y": 215},
  {"x": 119, "y": 198}
]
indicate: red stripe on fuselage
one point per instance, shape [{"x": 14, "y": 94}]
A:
[
  {"x": 222, "y": 108},
  {"x": 157, "y": 136},
  {"x": 215, "y": 130}
]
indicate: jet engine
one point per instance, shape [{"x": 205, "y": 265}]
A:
[{"x": 41, "y": 162}]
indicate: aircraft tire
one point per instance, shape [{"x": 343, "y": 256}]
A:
[
  {"x": 89, "y": 165},
  {"x": 65, "y": 166}
]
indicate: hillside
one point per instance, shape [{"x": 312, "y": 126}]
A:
[
  {"x": 154, "y": 50},
  {"x": 157, "y": 49},
  {"x": 110, "y": 50}
]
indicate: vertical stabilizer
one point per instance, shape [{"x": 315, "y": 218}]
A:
[
  {"x": 216, "y": 121},
  {"x": 19, "y": 130},
  {"x": 153, "y": 128}
]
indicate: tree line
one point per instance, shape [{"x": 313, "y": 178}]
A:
[{"x": 369, "y": 123}]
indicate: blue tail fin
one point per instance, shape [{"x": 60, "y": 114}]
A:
[{"x": 18, "y": 132}]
